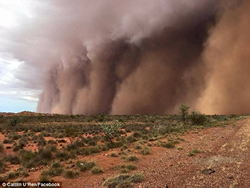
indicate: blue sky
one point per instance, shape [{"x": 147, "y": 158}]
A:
[
  {"x": 15, "y": 95},
  {"x": 16, "y": 105}
]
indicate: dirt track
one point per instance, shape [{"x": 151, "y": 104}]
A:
[{"x": 223, "y": 162}]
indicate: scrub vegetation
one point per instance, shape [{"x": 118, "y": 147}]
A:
[{"x": 57, "y": 144}]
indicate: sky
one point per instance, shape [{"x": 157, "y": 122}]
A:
[{"x": 14, "y": 95}]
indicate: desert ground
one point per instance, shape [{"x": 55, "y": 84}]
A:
[{"x": 126, "y": 151}]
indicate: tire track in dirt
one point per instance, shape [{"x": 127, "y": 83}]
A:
[
  {"x": 229, "y": 165},
  {"x": 224, "y": 163}
]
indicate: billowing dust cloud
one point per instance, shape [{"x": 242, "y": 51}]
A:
[
  {"x": 227, "y": 57},
  {"x": 140, "y": 57}
]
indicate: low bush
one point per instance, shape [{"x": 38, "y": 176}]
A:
[
  {"x": 113, "y": 155},
  {"x": 56, "y": 165},
  {"x": 198, "y": 119},
  {"x": 1, "y": 148},
  {"x": 145, "y": 151},
  {"x": 194, "y": 152},
  {"x": 138, "y": 146},
  {"x": 127, "y": 168},
  {"x": 13, "y": 175},
  {"x": 45, "y": 153},
  {"x": 14, "y": 121},
  {"x": 44, "y": 177},
  {"x": 62, "y": 155},
  {"x": 131, "y": 139},
  {"x": 28, "y": 158},
  {"x": 53, "y": 172},
  {"x": 17, "y": 148},
  {"x": 51, "y": 142},
  {"x": 137, "y": 178},
  {"x": 71, "y": 174},
  {"x": 7, "y": 141},
  {"x": 170, "y": 144},
  {"x": 123, "y": 180},
  {"x": 41, "y": 141},
  {"x": 13, "y": 159},
  {"x": 137, "y": 135},
  {"x": 85, "y": 166},
  {"x": 96, "y": 170},
  {"x": 132, "y": 158},
  {"x": 110, "y": 130},
  {"x": 2, "y": 165}
]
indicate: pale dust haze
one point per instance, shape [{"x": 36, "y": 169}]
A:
[{"x": 137, "y": 56}]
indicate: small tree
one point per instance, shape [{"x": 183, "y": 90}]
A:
[
  {"x": 184, "y": 112},
  {"x": 111, "y": 129}
]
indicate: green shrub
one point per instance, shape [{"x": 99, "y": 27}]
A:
[
  {"x": 17, "y": 148},
  {"x": 79, "y": 143},
  {"x": 92, "y": 143},
  {"x": 145, "y": 151},
  {"x": 117, "y": 181},
  {"x": 104, "y": 147},
  {"x": 110, "y": 130},
  {"x": 56, "y": 165},
  {"x": 14, "y": 121},
  {"x": 132, "y": 158},
  {"x": 131, "y": 167},
  {"x": 137, "y": 135},
  {"x": 13, "y": 159},
  {"x": 131, "y": 139},
  {"x": 13, "y": 175},
  {"x": 169, "y": 144},
  {"x": 71, "y": 174},
  {"x": 115, "y": 144},
  {"x": 145, "y": 137},
  {"x": 41, "y": 141},
  {"x": 3, "y": 178},
  {"x": 138, "y": 146},
  {"x": 6, "y": 141},
  {"x": 27, "y": 155},
  {"x": 113, "y": 155},
  {"x": 194, "y": 152},
  {"x": 198, "y": 119},
  {"x": 24, "y": 174},
  {"x": 53, "y": 172},
  {"x": 55, "y": 169},
  {"x": 1, "y": 148},
  {"x": 137, "y": 178},
  {"x": 44, "y": 177},
  {"x": 95, "y": 149},
  {"x": 62, "y": 155},
  {"x": 2, "y": 165},
  {"x": 45, "y": 153},
  {"x": 96, "y": 170},
  {"x": 51, "y": 142},
  {"x": 126, "y": 168},
  {"x": 124, "y": 171},
  {"x": 123, "y": 180},
  {"x": 85, "y": 166}
]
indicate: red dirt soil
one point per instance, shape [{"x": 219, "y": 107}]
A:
[{"x": 223, "y": 150}]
